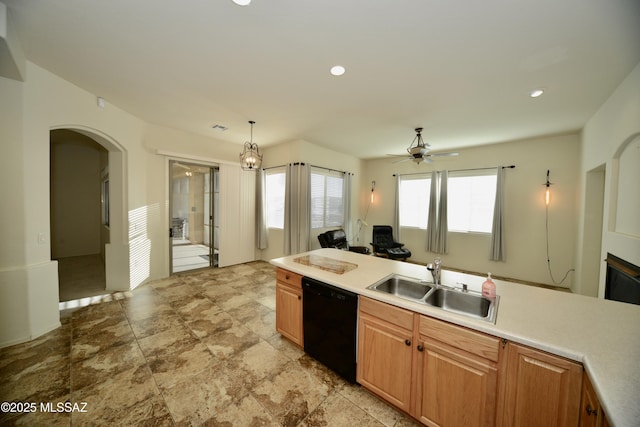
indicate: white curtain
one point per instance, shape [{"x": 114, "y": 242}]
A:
[
  {"x": 432, "y": 219},
  {"x": 297, "y": 216},
  {"x": 396, "y": 212},
  {"x": 262, "y": 241},
  {"x": 346, "y": 204},
  {"x": 437, "y": 227},
  {"x": 443, "y": 226},
  {"x": 497, "y": 231}
]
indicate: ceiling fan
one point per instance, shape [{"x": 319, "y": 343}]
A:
[{"x": 420, "y": 152}]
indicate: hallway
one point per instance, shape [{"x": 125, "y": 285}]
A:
[{"x": 81, "y": 277}]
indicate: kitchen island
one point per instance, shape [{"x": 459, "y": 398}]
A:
[{"x": 602, "y": 335}]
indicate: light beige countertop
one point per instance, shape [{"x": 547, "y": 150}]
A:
[{"x": 603, "y": 335}]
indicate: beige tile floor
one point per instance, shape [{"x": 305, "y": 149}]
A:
[{"x": 194, "y": 349}]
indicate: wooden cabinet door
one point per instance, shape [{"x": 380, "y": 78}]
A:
[
  {"x": 289, "y": 313},
  {"x": 540, "y": 389},
  {"x": 455, "y": 388},
  {"x": 590, "y": 411},
  {"x": 384, "y": 360}
]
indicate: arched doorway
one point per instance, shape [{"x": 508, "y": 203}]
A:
[
  {"x": 79, "y": 188},
  {"x": 97, "y": 230}
]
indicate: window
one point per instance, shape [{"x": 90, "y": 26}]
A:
[
  {"x": 470, "y": 200},
  {"x": 275, "y": 185},
  {"x": 414, "y": 201},
  {"x": 326, "y": 199},
  {"x": 471, "y": 197}
]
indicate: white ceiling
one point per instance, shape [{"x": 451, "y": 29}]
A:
[{"x": 460, "y": 69}]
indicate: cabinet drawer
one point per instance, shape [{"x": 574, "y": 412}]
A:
[
  {"x": 394, "y": 315},
  {"x": 473, "y": 342},
  {"x": 289, "y": 277}
]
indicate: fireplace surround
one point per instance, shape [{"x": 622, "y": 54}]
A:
[{"x": 623, "y": 280}]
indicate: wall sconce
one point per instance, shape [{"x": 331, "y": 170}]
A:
[
  {"x": 250, "y": 158},
  {"x": 547, "y": 193},
  {"x": 373, "y": 187}
]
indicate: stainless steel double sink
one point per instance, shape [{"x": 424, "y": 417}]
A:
[{"x": 447, "y": 298}]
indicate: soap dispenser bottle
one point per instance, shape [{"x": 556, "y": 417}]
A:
[{"x": 488, "y": 288}]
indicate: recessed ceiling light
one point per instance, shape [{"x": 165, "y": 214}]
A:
[
  {"x": 338, "y": 70},
  {"x": 536, "y": 93},
  {"x": 242, "y": 2}
]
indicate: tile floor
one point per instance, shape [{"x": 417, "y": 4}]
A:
[
  {"x": 190, "y": 257},
  {"x": 195, "y": 349}
]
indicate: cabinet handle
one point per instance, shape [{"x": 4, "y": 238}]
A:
[
  {"x": 407, "y": 342},
  {"x": 286, "y": 276},
  {"x": 420, "y": 347},
  {"x": 299, "y": 297},
  {"x": 591, "y": 411}
]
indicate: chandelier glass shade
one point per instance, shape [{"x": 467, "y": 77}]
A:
[
  {"x": 250, "y": 158},
  {"x": 418, "y": 148}
]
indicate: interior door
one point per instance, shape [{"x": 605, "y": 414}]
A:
[
  {"x": 193, "y": 213},
  {"x": 237, "y": 215}
]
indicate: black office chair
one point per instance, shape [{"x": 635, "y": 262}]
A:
[
  {"x": 384, "y": 245},
  {"x": 338, "y": 239}
]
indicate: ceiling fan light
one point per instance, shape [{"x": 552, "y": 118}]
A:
[
  {"x": 417, "y": 151},
  {"x": 420, "y": 152}
]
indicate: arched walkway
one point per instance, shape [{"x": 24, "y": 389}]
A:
[{"x": 116, "y": 252}]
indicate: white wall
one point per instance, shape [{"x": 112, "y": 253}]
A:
[
  {"x": 606, "y": 140},
  {"x": 524, "y": 207},
  {"x": 14, "y": 318}
]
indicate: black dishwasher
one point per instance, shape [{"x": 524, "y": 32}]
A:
[{"x": 329, "y": 317}]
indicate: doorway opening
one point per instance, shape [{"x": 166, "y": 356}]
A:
[
  {"x": 194, "y": 216},
  {"x": 79, "y": 177}
]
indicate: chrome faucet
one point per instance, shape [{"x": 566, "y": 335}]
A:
[{"x": 434, "y": 268}]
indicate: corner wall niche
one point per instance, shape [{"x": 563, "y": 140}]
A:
[{"x": 628, "y": 204}]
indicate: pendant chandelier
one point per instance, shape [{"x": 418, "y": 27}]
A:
[{"x": 250, "y": 158}]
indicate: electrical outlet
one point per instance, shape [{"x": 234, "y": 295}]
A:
[{"x": 42, "y": 238}]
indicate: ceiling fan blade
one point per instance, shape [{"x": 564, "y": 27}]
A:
[
  {"x": 406, "y": 159},
  {"x": 396, "y": 155},
  {"x": 443, "y": 154}
]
